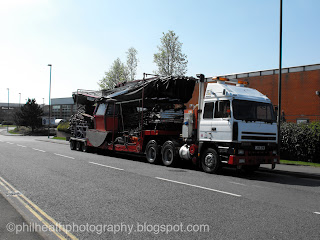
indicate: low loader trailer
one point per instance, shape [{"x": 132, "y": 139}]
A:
[{"x": 213, "y": 122}]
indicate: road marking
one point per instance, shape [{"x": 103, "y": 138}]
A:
[
  {"x": 9, "y": 142},
  {"x": 21, "y": 146},
  {"x": 205, "y": 188},
  {"x": 107, "y": 166},
  {"x": 238, "y": 183},
  {"x": 63, "y": 155},
  {"x": 317, "y": 212},
  {"x": 38, "y": 150},
  {"x": 28, "y": 204}
]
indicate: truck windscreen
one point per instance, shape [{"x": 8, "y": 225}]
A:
[{"x": 253, "y": 111}]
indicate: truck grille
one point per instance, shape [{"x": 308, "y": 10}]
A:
[{"x": 258, "y": 136}]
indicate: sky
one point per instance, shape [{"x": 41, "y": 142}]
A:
[{"x": 81, "y": 39}]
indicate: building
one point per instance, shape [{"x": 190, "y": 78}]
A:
[
  {"x": 61, "y": 108},
  {"x": 300, "y": 100},
  {"x": 7, "y": 115},
  {"x": 300, "y": 94}
]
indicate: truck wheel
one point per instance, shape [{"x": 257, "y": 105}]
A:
[
  {"x": 152, "y": 152},
  {"x": 72, "y": 145},
  {"x": 169, "y": 154},
  {"x": 78, "y": 146},
  {"x": 210, "y": 161},
  {"x": 85, "y": 147}
]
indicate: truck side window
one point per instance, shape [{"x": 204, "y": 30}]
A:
[
  {"x": 101, "y": 109},
  {"x": 222, "y": 109},
  {"x": 110, "y": 109},
  {"x": 208, "y": 110}
]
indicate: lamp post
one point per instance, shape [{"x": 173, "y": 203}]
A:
[
  {"x": 279, "y": 81},
  {"x": 49, "y": 102},
  {"x": 19, "y": 99},
  {"x": 8, "y": 109}
]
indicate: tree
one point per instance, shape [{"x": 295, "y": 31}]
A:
[
  {"x": 132, "y": 62},
  {"x": 29, "y": 115},
  {"x": 170, "y": 59},
  {"x": 118, "y": 73}
]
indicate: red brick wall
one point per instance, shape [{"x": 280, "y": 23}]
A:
[{"x": 299, "y": 100}]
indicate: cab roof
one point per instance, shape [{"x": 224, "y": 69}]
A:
[{"x": 224, "y": 90}]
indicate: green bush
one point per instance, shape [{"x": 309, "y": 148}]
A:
[
  {"x": 300, "y": 142},
  {"x": 64, "y": 127}
]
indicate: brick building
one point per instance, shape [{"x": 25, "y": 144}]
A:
[
  {"x": 299, "y": 100},
  {"x": 300, "y": 90}
]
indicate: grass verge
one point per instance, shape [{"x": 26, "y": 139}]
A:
[
  {"x": 59, "y": 138},
  {"x": 300, "y": 163}
]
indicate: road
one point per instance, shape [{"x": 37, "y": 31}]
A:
[{"x": 115, "y": 197}]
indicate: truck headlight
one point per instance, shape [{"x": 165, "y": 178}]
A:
[{"x": 240, "y": 151}]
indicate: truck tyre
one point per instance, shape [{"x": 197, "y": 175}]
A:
[
  {"x": 210, "y": 161},
  {"x": 169, "y": 154},
  {"x": 152, "y": 152},
  {"x": 78, "y": 146},
  {"x": 72, "y": 145},
  {"x": 85, "y": 147}
]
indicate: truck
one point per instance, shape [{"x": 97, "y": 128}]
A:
[{"x": 212, "y": 122}]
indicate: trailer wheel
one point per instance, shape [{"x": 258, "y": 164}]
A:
[
  {"x": 152, "y": 152},
  {"x": 169, "y": 154},
  {"x": 78, "y": 146},
  {"x": 210, "y": 161},
  {"x": 72, "y": 145}
]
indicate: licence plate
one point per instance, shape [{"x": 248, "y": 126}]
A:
[{"x": 260, "y": 148}]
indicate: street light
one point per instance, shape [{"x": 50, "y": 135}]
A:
[
  {"x": 279, "y": 81},
  {"x": 19, "y": 99},
  {"x": 49, "y": 101},
  {"x": 8, "y": 110}
]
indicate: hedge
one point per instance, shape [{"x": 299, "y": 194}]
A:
[
  {"x": 300, "y": 142},
  {"x": 64, "y": 127}
]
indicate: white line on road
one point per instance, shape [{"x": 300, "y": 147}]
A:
[
  {"x": 63, "y": 155},
  {"x": 238, "y": 183},
  {"x": 21, "y": 146},
  {"x": 38, "y": 150},
  {"x": 317, "y": 212},
  {"x": 9, "y": 142},
  {"x": 107, "y": 166},
  {"x": 191, "y": 185}
]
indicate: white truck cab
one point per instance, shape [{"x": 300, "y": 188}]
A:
[{"x": 238, "y": 123}]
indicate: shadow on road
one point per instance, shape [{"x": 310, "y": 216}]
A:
[{"x": 280, "y": 177}]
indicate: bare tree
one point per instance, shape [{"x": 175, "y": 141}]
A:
[
  {"x": 132, "y": 62},
  {"x": 170, "y": 59}
]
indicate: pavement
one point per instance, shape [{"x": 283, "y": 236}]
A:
[
  {"x": 11, "y": 218},
  {"x": 10, "y": 215}
]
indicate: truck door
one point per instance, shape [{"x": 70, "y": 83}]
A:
[
  {"x": 112, "y": 117},
  {"x": 99, "y": 117},
  {"x": 206, "y": 122},
  {"x": 221, "y": 123}
]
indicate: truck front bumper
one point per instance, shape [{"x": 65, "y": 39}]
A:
[{"x": 252, "y": 160}]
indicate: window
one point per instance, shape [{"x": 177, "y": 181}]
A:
[
  {"x": 253, "y": 111},
  {"x": 222, "y": 109},
  {"x": 208, "y": 110},
  {"x": 56, "y": 111},
  {"x": 101, "y": 109},
  {"x": 299, "y": 120}
]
